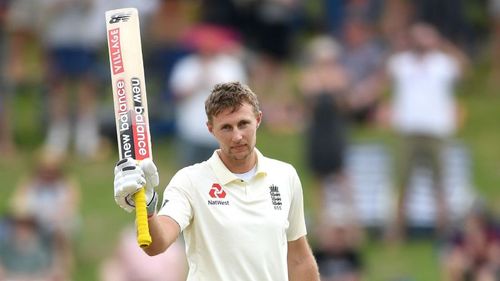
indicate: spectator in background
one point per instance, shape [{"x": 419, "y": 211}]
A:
[
  {"x": 324, "y": 86},
  {"x": 424, "y": 111},
  {"x": 337, "y": 11},
  {"x": 72, "y": 46},
  {"x": 269, "y": 34},
  {"x": 338, "y": 251},
  {"x": 19, "y": 60},
  {"x": 6, "y": 138},
  {"x": 130, "y": 263},
  {"x": 222, "y": 12},
  {"x": 216, "y": 60},
  {"x": 27, "y": 252},
  {"x": 52, "y": 198},
  {"x": 449, "y": 17},
  {"x": 165, "y": 31},
  {"x": 23, "y": 25},
  {"x": 363, "y": 58},
  {"x": 473, "y": 252},
  {"x": 494, "y": 9},
  {"x": 393, "y": 25}
]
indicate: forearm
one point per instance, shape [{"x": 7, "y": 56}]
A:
[
  {"x": 301, "y": 262},
  {"x": 303, "y": 270},
  {"x": 164, "y": 231}
]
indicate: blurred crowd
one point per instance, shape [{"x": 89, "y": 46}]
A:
[
  {"x": 319, "y": 67},
  {"x": 37, "y": 233}
]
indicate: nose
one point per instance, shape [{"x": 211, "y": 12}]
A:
[{"x": 237, "y": 136}]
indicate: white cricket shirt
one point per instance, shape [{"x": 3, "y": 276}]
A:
[{"x": 236, "y": 230}]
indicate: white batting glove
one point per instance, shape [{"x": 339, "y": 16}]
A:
[{"x": 130, "y": 176}]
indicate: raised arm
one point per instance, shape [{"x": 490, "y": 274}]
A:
[
  {"x": 164, "y": 231},
  {"x": 301, "y": 263},
  {"x": 130, "y": 176}
]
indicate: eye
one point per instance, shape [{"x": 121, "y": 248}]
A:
[
  {"x": 226, "y": 128},
  {"x": 243, "y": 124}
]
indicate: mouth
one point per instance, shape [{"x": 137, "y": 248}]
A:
[{"x": 239, "y": 148}]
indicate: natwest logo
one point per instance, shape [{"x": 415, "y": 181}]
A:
[{"x": 216, "y": 191}]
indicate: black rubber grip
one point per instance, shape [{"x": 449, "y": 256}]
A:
[{"x": 121, "y": 161}]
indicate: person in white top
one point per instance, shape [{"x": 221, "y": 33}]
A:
[
  {"x": 424, "y": 108},
  {"x": 241, "y": 213},
  {"x": 193, "y": 76}
]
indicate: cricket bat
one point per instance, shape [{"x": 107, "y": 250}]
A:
[{"x": 130, "y": 102}]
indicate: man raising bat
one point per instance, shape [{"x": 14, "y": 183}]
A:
[{"x": 241, "y": 213}]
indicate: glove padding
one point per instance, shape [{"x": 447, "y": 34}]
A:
[{"x": 130, "y": 176}]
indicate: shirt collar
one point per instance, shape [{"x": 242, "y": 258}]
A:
[{"x": 225, "y": 176}]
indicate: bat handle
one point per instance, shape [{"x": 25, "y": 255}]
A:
[{"x": 141, "y": 219}]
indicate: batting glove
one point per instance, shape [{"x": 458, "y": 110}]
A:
[{"x": 130, "y": 176}]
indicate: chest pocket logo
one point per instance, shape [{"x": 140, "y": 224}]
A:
[
  {"x": 216, "y": 191},
  {"x": 275, "y": 197}
]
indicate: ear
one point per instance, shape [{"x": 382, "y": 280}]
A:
[
  {"x": 210, "y": 127},
  {"x": 259, "y": 118}
]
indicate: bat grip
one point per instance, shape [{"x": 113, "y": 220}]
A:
[{"x": 141, "y": 219}]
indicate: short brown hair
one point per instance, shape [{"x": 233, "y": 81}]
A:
[{"x": 230, "y": 95}]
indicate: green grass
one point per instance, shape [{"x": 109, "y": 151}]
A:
[
  {"x": 416, "y": 260},
  {"x": 102, "y": 220}
]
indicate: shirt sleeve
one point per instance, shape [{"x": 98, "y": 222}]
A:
[
  {"x": 176, "y": 201},
  {"x": 297, "y": 227}
]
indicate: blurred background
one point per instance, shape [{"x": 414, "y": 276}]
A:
[{"x": 387, "y": 108}]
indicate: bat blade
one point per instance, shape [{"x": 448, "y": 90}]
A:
[{"x": 129, "y": 98}]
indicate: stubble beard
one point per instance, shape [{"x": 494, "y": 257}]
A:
[{"x": 242, "y": 155}]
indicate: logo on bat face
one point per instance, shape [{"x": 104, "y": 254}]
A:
[
  {"x": 216, "y": 191},
  {"x": 115, "y": 50},
  {"x": 119, "y": 18}
]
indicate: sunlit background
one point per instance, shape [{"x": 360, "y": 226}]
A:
[{"x": 330, "y": 76}]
